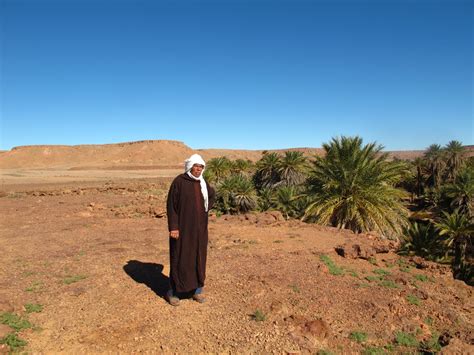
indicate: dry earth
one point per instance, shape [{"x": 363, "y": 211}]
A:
[
  {"x": 151, "y": 154},
  {"x": 94, "y": 254}
]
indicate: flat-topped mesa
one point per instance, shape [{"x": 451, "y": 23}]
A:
[
  {"x": 142, "y": 153},
  {"x": 120, "y": 144}
]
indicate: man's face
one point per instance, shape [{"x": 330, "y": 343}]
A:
[{"x": 196, "y": 170}]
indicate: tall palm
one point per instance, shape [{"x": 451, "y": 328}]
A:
[
  {"x": 241, "y": 166},
  {"x": 419, "y": 164},
  {"x": 460, "y": 233},
  {"x": 286, "y": 197},
  {"x": 267, "y": 174},
  {"x": 455, "y": 156},
  {"x": 217, "y": 169},
  {"x": 353, "y": 187},
  {"x": 236, "y": 194},
  {"x": 435, "y": 159},
  {"x": 293, "y": 168},
  {"x": 461, "y": 191}
]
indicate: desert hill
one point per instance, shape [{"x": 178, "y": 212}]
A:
[{"x": 140, "y": 155}]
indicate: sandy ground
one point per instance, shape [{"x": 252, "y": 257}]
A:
[
  {"x": 94, "y": 254},
  {"x": 9, "y": 177}
]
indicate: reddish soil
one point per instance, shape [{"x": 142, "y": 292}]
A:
[
  {"x": 95, "y": 255},
  {"x": 159, "y": 154}
]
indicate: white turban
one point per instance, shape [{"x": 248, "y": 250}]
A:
[{"x": 188, "y": 164}]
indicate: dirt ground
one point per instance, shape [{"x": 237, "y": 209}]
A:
[{"x": 94, "y": 255}]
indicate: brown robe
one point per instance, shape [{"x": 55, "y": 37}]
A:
[{"x": 188, "y": 253}]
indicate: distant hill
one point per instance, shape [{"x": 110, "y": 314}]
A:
[{"x": 134, "y": 155}]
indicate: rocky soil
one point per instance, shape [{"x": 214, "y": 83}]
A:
[{"x": 93, "y": 260}]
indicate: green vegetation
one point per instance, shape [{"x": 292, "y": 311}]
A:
[
  {"x": 422, "y": 278},
  {"x": 33, "y": 308},
  {"x": 295, "y": 288},
  {"x": 359, "y": 337},
  {"x": 459, "y": 232},
  {"x": 381, "y": 272},
  {"x": 14, "y": 321},
  {"x": 405, "y": 339},
  {"x": 258, "y": 316},
  {"x": 13, "y": 341},
  {"x": 406, "y": 269},
  {"x": 442, "y": 197},
  {"x": 333, "y": 268},
  {"x": 422, "y": 239},
  {"x": 353, "y": 187},
  {"x": 388, "y": 284},
  {"x": 34, "y": 287},
  {"x": 427, "y": 203},
  {"x": 353, "y": 273},
  {"x": 413, "y": 300},
  {"x": 431, "y": 345},
  {"x": 72, "y": 279},
  {"x": 372, "y": 260}
]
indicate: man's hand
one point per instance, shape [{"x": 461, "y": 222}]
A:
[{"x": 174, "y": 234}]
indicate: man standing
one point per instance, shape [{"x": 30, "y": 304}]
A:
[{"x": 189, "y": 199}]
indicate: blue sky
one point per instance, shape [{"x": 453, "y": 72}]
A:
[{"x": 236, "y": 74}]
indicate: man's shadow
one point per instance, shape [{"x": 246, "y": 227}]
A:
[{"x": 150, "y": 274}]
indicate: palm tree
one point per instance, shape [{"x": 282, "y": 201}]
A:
[
  {"x": 241, "y": 166},
  {"x": 419, "y": 164},
  {"x": 217, "y": 169},
  {"x": 461, "y": 192},
  {"x": 455, "y": 156},
  {"x": 353, "y": 187},
  {"x": 286, "y": 197},
  {"x": 236, "y": 194},
  {"x": 293, "y": 168},
  {"x": 422, "y": 239},
  {"x": 435, "y": 159},
  {"x": 266, "y": 199},
  {"x": 459, "y": 231},
  {"x": 267, "y": 174}
]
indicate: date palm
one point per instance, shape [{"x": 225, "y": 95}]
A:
[
  {"x": 461, "y": 192},
  {"x": 217, "y": 169},
  {"x": 419, "y": 164},
  {"x": 286, "y": 200},
  {"x": 421, "y": 239},
  {"x": 293, "y": 168},
  {"x": 455, "y": 156},
  {"x": 236, "y": 194},
  {"x": 436, "y": 164},
  {"x": 266, "y": 199},
  {"x": 353, "y": 187},
  {"x": 267, "y": 173},
  {"x": 241, "y": 166},
  {"x": 460, "y": 233}
]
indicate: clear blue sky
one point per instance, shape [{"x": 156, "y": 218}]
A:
[{"x": 236, "y": 74}]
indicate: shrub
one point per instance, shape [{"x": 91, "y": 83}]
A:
[{"x": 358, "y": 337}]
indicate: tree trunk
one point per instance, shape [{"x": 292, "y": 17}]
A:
[{"x": 459, "y": 258}]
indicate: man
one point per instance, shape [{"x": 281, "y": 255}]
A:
[{"x": 189, "y": 199}]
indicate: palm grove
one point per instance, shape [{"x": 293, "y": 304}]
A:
[{"x": 426, "y": 203}]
